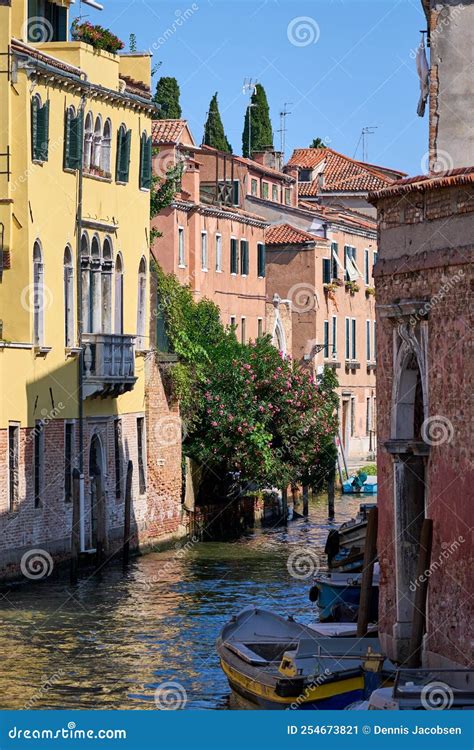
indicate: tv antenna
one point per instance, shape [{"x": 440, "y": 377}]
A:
[
  {"x": 91, "y": 4},
  {"x": 367, "y": 130},
  {"x": 283, "y": 115},
  {"x": 249, "y": 87}
]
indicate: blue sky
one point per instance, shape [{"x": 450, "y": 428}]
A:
[{"x": 343, "y": 65}]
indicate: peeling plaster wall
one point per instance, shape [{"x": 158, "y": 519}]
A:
[
  {"x": 414, "y": 265},
  {"x": 451, "y": 84}
]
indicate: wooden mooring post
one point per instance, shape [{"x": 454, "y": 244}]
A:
[
  {"x": 284, "y": 505},
  {"x": 305, "y": 499},
  {"x": 421, "y": 594},
  {"x": 127, "y": 514},
  {"x": 75, "y": 530},
  {"x": 370, "y": 554},
  {"x": 331, "y": 491}
]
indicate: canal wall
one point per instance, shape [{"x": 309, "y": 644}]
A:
[{"x": 229, "y": 519}]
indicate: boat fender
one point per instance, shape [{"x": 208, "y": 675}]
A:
[
  {"x": 287, "y": 688},
  {"x": 313, "y": 594}
]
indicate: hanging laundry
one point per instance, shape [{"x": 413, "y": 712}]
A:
[{"x": 423, "y": 71}]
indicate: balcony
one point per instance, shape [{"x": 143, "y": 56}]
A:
[{"x": 109, "y": 364}]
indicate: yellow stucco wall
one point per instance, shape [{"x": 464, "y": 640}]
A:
[{"x": 40, "y": 202}]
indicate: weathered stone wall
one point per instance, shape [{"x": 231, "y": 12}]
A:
[{"x": 418, "y": 261}]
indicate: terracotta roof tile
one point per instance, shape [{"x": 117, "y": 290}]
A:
[
  {"x": 255, "y": 165},
  {"x": 339, "y": 172},
  {"x": 424, "y": 182},
  {"x": 167, "y": 131},
  {"x": 286, "y": 234}
]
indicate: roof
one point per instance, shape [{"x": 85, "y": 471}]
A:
[
  {"x": 425, "y": 182},
  {"x": 255, "y": 165},
  {"x": 342, "y": 214},
  {"x": 172, "y": 132},
  {"x": 339, "y": 173},
  {"x": 286, "y": 234}
]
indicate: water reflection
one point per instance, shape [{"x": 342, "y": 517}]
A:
[{"x": 111, "y": 641}]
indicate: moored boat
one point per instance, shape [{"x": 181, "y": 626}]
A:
[
  {"x": 338, "y": 596},
  {"x": 277, "y": 663},
  {"x": 352, "y": 486}
]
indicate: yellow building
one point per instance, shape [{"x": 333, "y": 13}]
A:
[{"x": 75, "y": 167}]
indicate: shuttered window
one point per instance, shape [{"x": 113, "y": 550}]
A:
[
  {"x": 73, "y": 137},
  {"x": 39, "y": 129},
  {"x": 145, "y": 161},
  {"x": 234, "y": 256},
  {"x": 326, "y": 339},
  {"x": 261, "y": 259},
  {"x": 244, "y": 257},
  {"x": 124, "y": 140},
  {"x": 326, "y": 270},
  {"x": 334, "y": 252}
]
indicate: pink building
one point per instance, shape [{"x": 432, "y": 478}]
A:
[{"x": 209, "y": 241}]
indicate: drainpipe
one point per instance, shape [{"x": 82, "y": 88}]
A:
[{"x": 80, "y": 328}]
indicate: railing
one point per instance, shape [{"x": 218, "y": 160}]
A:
[{"x": 109, "y": 364}]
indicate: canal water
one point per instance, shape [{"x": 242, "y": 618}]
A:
[{"x": 113, "y": 640}]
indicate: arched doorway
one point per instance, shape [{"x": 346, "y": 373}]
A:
[
  {"x": 97, "y": 489},
  {"x": 409, "y": 482}
]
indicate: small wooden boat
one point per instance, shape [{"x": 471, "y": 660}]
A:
[
  {"x": 423, "y": 689},
  {"x": 352, "y": 533},
  {"x": 353, "y": 487},
  {"x": 277, "y": 663},
  {"x": 338, "y": 596}
]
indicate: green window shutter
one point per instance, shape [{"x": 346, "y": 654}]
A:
[
  {"x": 34, "y": 128},
  {"x": 234, "y": 256},
  {"x": 42, "y": 132},
  {"x": 261, "y": 260},
  {"x": 141, "y": 176},
  {"x": 67, "y": 138},
  {"x": 148, "y": 162},
  {"x": 118, "y": 165},
  {"x": 244, "y": 257},
  {"x": 126, "y": 145},
  {"x": 326, "y": 270}
]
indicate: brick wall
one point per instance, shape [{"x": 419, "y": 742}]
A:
[{"x": 449, "y": 467}]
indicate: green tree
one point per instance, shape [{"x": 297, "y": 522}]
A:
[
  {"x": 317, "y": 143},
  {"x": 214, "y": 134},
  {"x": 167, "y": 96},
  {"x": 260, "y": 126},
  {"x": 246, "y": 411}
]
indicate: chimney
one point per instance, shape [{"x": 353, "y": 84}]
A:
[{"x": 268, "y": 157}]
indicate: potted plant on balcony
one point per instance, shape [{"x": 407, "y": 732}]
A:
[
  {"x": 97, "y": 36},
  {"x": 352, "y": 286},
  {"x": 370, "y": 291},
  {"x": 330, "y": 291}
]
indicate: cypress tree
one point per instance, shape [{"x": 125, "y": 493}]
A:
[
  {"x": 261, "y": 127},
  {"x": 167, "y": 96},
  {"x": 214, "y": 134}
]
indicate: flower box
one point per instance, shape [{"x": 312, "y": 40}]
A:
[{"x": 96, "y": 36}]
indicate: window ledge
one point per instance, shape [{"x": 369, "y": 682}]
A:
[
  {"x": 352, "y": 364},
  {"x": 180, "y": 265},
  {"x": 332, "y": 363},
  {"x": 144, "y": 190},
  {"x": 219, "y": 270},
  {"x": 142, "y": 352},
  {"x": 119, "y": 182},
  {"x": 98, "y": 177},
  {"x": 42, "y": 351},
  {"x": 371, "y": 365},
  {"x": 39, "y": 162},
  {"x": 73, "y": 351},
  {"x": 15, "y": 345},
  {"x": 204, "y": 270},
  {"x": 69, "y": 170}
]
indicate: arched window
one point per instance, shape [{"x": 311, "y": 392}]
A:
[
  {"x": 96, "y": 286},
  {"x": 96, "y": 144},
  {"x": 141, "y": 305},
  {"x": 107, "y": 265},
  {"x": 38, "y": 295},
  {"x": 88, "y": 137},
  {"x": 118, "y": 322},
  {"x": 68, "y": 298},
  {"x": 86, "y": 284},
  {"x": 106, "y": 149}
]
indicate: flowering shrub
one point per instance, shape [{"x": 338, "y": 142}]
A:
[
  {"x": 97, "y": 36},
  {"x": 247, "y": 410}
]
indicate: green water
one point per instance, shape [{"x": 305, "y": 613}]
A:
[{"x": 110, "y": 642}]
